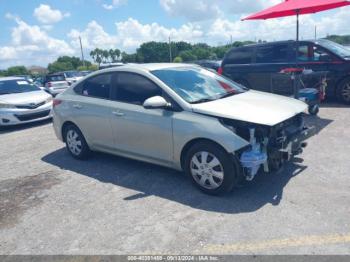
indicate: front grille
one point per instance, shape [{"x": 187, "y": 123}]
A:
[
  {"x": 30, "y": 106},
  {"x": 28, "y": 117}
]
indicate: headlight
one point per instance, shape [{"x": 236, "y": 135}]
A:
[
  {"x": 48, "y": 100},
  {"x": 3, "y": 105}
]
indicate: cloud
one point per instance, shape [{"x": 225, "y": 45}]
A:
[
  {"x": 114, "y": 4},
  {"x": 130, "y": 34},
  {"x": 203, "y": 10},
  {"x": 46, "y": 15},
  {"x": 32, "y": 45}
]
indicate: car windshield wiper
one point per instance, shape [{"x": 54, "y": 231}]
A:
[{"x": 203, "y": 100}]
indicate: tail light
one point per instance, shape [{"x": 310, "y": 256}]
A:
[
  {"x": 56, "y": 102},
  {"x": 220, "y": 70}
]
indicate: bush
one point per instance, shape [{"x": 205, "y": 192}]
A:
[{"x": 178, "y": 59}]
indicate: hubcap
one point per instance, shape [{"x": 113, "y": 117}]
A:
[
  {"x": 74, "y": 142},
  {"x": 346, "y": 92},
  {"x": 207, "y": 170}
]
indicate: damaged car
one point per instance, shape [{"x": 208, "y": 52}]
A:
[{"x": 183, "y": 117}]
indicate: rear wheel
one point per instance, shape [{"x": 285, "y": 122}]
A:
[
  {"x": 211, "y": 168},
  {"x": 76, "y": 143},
  {"x": 343, "y": 91}
]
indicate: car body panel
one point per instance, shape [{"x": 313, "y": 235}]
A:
[{"x": 254, "y": 107}]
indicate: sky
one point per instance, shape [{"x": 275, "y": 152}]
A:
[{"x": 36, "y": 32}]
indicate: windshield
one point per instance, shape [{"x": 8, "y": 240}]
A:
[
  {"x": 196, "y": 85},
  {"x": 16, "y": 86},
  {"x": 335, "y": 48}
]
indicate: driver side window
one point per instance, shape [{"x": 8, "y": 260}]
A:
[
  {"x": 135, "y": 89},
  {"x": 319, "y": 54}
]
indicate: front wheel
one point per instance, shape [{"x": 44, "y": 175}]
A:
[
  {"x": 211, "y": 168},
  {"x": 343, "y": 91},
  {"x": 76, "y": 143},
  {"x": 314, "y": 110}
]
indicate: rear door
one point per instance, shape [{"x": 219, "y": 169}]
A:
[
  {"x": 91, "y": 110},
  {"x": 269, "y": 60},
  {"x": 140, "y": 132}
]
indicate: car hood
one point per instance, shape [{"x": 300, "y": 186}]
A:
[
  {"x": 254, "y": 107},
  {"x": 25, "y": 98}
]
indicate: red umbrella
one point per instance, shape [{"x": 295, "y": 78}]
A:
[{"x": 297, "y": 7}]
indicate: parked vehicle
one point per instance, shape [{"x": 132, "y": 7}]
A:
[
  {"x": 184, "y": 117},
  {"x": 55, "y": 83},
  {"x": 209, "y": 64},
  {"x": 253, "y": 65},
  {"x": 22, "y": 102},
  {"x": 85, "y": 73},
  {"x": 72, "y": 76}
]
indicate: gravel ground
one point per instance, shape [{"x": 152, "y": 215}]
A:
[{"x": 53, "y": 204}]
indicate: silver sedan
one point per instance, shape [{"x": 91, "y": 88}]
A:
[{"x": 184, "y": 117}]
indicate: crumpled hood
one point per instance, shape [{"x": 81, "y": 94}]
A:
[
  {"x": 254, "y": 107},
  {"x": 24, "y": 98}
]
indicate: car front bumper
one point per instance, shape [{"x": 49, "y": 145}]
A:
[{"x": 15, "y": 116}]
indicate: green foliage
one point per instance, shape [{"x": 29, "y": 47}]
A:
[
  {"x": 188, "y": 56},
  {"x": 91, "y": 67},
  {"x": 16, "y": 70},
  {"x": 340, "y": 39},
  {"x": 60, "y": 66},
  {"x": 105, "y": 56},
  {"x": 66, "y": 63},
  {"x": 178, "y": 59}
]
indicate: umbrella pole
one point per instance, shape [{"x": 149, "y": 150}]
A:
[{"x": 295, "y": 76}]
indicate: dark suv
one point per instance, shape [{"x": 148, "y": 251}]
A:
[{"x": 253, "y": 65}]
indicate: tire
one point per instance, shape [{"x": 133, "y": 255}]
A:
[
  {"x": 224, "y": 166},
  {"x": 343, "y": 91},
  {"x": 76, "y": 143},
  {"x": 314, "y": 110}
]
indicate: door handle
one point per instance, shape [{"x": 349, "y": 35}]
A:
[
  {"x": 77, "y": 106},
  {"x": 118, "y": 113}
]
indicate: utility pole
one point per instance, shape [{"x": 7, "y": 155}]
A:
[
  {"x": 315, "y": 32},
  {"x": 82, "y": 53},
  {"x": 170, "y": 53},
  {"x": 231, "y": 40}
]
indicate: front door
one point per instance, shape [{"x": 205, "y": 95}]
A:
[{"x": 140, "y": 132}]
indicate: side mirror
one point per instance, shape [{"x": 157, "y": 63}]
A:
[{"x": 156, "y": 102}]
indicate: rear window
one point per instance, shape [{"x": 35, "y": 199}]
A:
[
  {"x": 272, "y": 53},
  {"x": 239, "y": 56},
  {"x": 16, "y": 86},
  {"x": 55, "y": 78}
]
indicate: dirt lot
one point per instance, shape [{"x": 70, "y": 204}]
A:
[{"x": 52, "y": 204}]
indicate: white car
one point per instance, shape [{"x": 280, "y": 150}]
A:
[
  {"x": 184, "y": 117},
  {"x": 22, "y": 102},
  {"x": 55, "y": 83}
]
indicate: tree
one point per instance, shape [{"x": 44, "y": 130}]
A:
[
  {"x": 114, "y": 55},
  {"x": 16, "y": 70},
  {"x": 97, "y": 55},
  {"x": 60, "y": 66},
  {"x": 154, "y": 52},
  {"x": 187, "y": 56},
  {"x": 178, "y": 59},
  {"x": 91, "y": 67}
]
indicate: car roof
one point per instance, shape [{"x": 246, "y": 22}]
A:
[
  {"x": 9, "y": 78},
  {"x": 148, "y": 67}
]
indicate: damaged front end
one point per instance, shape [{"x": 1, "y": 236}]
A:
[{"x": 270, "y": 146}]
